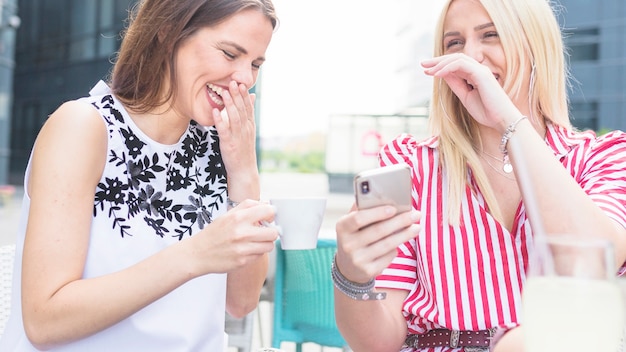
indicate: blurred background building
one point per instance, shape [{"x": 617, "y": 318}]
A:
[
  {"x": 9, "y": 23},
  {"x": 63, "y": 47},
  {"x": 596, "y": 37},
  {"x": 55, "y": 50}
]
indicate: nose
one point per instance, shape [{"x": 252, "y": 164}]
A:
[
  {"x": 474, "y": 50},
  {"x": 245, "y": 75}
]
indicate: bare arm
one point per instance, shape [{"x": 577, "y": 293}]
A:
[
  {"x": 237, "y": 131},
  {"x": 372, "y": 325},
  {"x": 366, "y": 244},
  {"x": 561, "y": 204},
  {"x": 512, "y": 341},
  {"x": 58, "y": 305}
]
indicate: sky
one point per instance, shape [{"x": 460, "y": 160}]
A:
[{"x": 334, "y": 57}]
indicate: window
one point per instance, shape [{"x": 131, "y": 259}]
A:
[
  {"x": 583, "y": 44},
  {"x": 82, "y": 30},
  {"x": 584, "y": 115}
]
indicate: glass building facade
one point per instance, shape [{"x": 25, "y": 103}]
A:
[
  {"x": 9, "y": 22},
  {"x": 596, "y": 38},
  {"x": 63, "y": 48}
]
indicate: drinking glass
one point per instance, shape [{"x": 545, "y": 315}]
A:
[
  {"x": 621, "y": 281},
  {"x": 572, "y": 300}
]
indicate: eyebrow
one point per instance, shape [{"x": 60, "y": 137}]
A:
[
  {"x": 476, "y": 29},
  {"x": 241, "y": 49}
]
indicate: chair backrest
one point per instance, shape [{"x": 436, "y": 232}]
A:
[
  {"x": 304, "y": 308},
  {"x": 7, "y": 253}
]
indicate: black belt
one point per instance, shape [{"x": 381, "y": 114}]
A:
[{"x": 478, "y": 340}]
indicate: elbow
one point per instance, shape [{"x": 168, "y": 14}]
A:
[
  {"x": 37, "y": 335},
  {"x": 40, "y": 333},
  {"x": 239, "y": 307},
  {"x": 239, "y": 311}
]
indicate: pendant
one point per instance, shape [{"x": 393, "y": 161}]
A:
[{"x": 507, "y": 168}]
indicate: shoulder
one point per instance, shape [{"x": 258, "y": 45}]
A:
[
  {"x": 565, "y": 141},
  {"x": 589, "y": 153},
  {"x": 406, "y": 146},
  {"x": 74, "y": 130},
  {"x": 74, "y": 123},
  {"x": 409, "y": 142},
  {"x": 76, "y": 113},
  {"x": 612, "y": 138}
]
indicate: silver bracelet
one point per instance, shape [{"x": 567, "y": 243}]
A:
[
  {"x": 354, "y": 290},
  {"x": 505, "y": 140},
  {"x": 508, "y": 133},
  {"x": 231, "y": 204}
]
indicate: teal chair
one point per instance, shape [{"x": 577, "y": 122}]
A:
[{"x": 304, "y": 307}]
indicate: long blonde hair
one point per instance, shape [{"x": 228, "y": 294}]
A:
[{"x": 533, "y": 46}]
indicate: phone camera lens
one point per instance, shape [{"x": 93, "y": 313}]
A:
[{"x": 365, "y": 187}]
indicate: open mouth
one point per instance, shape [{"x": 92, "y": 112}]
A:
[{"x": 215, "y": 93}]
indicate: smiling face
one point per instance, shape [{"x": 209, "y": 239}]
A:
[
  {"x": 468, "y": 29},
  {"x": 213, "y": 57}
]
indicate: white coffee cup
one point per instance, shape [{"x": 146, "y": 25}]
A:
[{"x": 299, "y": 220}]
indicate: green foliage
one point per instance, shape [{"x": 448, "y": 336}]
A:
[{"x": 303, "y": 162}]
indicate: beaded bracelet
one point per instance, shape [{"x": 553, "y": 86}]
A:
[
  {"x": 498, "y": 333},
  {"x": 508, "y": 133},
  {"x": 231, "y": 204},
  {"x": 505, "y": 140},
  {"x": 354, "y": 290}
]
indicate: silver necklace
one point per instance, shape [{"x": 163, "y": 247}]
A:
[
  {"x": 506, "y": 166},
  {"x": 505, "y": 174}
]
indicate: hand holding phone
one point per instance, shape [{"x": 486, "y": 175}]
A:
[{"x": 387, "y": 185}]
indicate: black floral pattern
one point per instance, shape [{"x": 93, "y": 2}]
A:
[{"x": 140, "y": 183}]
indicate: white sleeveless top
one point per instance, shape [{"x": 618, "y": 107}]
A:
[{"x": 150, "y": 196}]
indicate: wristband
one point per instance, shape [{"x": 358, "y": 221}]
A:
[
  {"x": 354, "y": 290},
  {"x": 231, "y": 204},
  {"x": 507, "y": 135},
  {"x": 497, "y": 335}
]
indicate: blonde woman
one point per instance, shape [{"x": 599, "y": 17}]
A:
[{"x": 503, "y": 156}]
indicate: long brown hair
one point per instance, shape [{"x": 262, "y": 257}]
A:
[{"x": 155, "y": 31}]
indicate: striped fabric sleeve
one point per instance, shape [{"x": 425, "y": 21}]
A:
[
  {"x": 602, "y": 174},
  {"x": 398, "y": 150},
  {"x": 401, "y": 273}
]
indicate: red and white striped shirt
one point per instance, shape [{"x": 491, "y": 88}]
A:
[{"x": 470, "y": 277}]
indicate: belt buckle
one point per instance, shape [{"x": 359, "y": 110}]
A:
[
  {"x": 454, "y": 338},
  {"x": 492, "y": 332},
  {"x": 411, "y": 341},
  {"x": 476, "y": 349}
]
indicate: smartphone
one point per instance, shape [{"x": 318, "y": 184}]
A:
[{"x": 386, "y": 185}]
